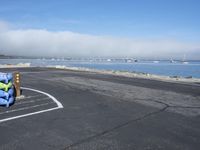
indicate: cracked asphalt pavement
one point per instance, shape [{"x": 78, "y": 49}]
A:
[{"x": 106, "y": 112}]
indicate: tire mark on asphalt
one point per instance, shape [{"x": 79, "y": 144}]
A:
[
  {"x": 131, "y": 121},
  {"x": 126, "y": 123},
  {"x": 114, "y": 128},
  {"x": 195, "y": 107},
  {"x": 169, "y": 106}
]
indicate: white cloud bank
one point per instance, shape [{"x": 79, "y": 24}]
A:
[{"x": 32, "y": 42}]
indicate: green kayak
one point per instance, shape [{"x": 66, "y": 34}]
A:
[{"x": 5, "y": 87}]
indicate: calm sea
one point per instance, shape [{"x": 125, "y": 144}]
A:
[{"x": 160, "y": 68}]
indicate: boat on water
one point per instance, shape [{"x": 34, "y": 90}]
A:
[
  {"x": 183, "y": 61},
  {"x": 172, "y": 61},
  {"x": 156, "y": 61},
  {"x": 108, "y": 60},
  {"x": 131, "y": 60}
]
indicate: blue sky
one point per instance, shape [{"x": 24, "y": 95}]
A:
[{"x": 141, "y": 19}]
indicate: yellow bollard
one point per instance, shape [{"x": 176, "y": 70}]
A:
[{"x": 17, "y": 83}]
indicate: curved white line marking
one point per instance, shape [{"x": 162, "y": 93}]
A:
[
  {"x": 59, "y": 106},
  {"x": 50, "y": 96}
]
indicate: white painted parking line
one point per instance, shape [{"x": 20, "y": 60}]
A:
[
  {"x": 28, "y": 97},
  {"x": 47, "y": 94},
  {"x": 25, "y": 108},
  {"x": 32, "y": 101},
  {"x": 59, "y": 106}
]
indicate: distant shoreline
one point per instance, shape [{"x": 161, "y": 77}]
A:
[
  {"x": 116, "y": 73},
  {"x": 93, "y": 58},
  {"x": 131, "y": 74}
]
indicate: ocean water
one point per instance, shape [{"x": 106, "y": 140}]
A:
[{"x": 159, "y": 68}]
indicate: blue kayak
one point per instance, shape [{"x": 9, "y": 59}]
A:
[
  {"x": 4, "y": 94},
  {"x": 11, "y": 92},
  {"x": 8, "y": 94},
  {"x": 8, "y": 102},
  {"x": 6, "y": 89},
  {"x": 5, "y": 77}
]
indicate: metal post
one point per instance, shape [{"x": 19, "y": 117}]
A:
[{"x": 17, "y": 83}]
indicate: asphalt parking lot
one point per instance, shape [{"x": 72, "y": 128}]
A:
[
  {"x": 63, "y": 109},
  {"x": 30, "y": 103}
]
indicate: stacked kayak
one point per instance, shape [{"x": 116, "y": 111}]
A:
[{"x": 6, "y": 89}]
